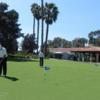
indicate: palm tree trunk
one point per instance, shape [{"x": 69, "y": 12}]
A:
[
  {"x": 42, "y": 28},
  {"x": 46, "y": 39},
  {"x": 38, "y": 25},
  {"x": 33, "y": 25}
]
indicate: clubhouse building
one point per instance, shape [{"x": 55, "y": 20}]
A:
[{"x": 89, "y": 54}]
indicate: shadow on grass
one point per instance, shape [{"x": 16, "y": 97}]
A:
[
  {"x": 11, "y": 78},
  {"x": 23, "y": 60}
]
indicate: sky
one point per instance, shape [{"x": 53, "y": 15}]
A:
[{"x": 76, "y": 17}]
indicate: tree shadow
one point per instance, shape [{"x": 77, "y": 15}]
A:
[{"x": 11, "y": 78}]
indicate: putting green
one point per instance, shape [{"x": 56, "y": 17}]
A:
[{"x": 65, "y": 80}]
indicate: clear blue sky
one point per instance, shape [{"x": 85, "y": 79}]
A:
[{"x": 76, "y": 18}]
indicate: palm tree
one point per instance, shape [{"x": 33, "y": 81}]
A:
[
  {"x": 51, "y": 13},
  {"x": 35, "y": 9},
  {"x": 42, "y": 26},
  {"x": 38, "y": 17}
]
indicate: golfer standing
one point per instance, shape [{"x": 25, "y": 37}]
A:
[
  {"x": 3, "y": 60},
  {"x": 41, "y": 56}
]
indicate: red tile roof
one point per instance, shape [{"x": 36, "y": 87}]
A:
[{"x": 85, "y": 49}]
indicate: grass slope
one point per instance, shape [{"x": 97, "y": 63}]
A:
[{"x": 66, "y": 80}]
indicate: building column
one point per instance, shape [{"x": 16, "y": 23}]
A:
[
  {"x": 97, "y": 57},
  {"x": 91, "y": 57},
  {"x": 78, "y": 56},
  {"x": 88, "y": 57},
  {"x": 83, "y": 57}
]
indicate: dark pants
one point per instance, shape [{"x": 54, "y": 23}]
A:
[
  {"x": 41, "y": 61},
  {"x": 3, "y": 66}
]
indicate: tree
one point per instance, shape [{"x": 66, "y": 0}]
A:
[
  {"x": 9, "y": 28},
  {"x": 3, "y": 7},
  {"x": 59, "y": 43},
  {"x": 79, "y": 42},
  {"x": 28, "y": 44},
  {"x": 94, "y": 38},
  {"x": 51, "y": 13},
  {"x": 98, "y": 41}
]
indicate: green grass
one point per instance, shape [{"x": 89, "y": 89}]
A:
[{"x": 66, "y": 80}]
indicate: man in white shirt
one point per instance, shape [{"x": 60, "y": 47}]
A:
[
  {"x": 3, "y": 60},
  {"x": 41, "y": 56}
]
